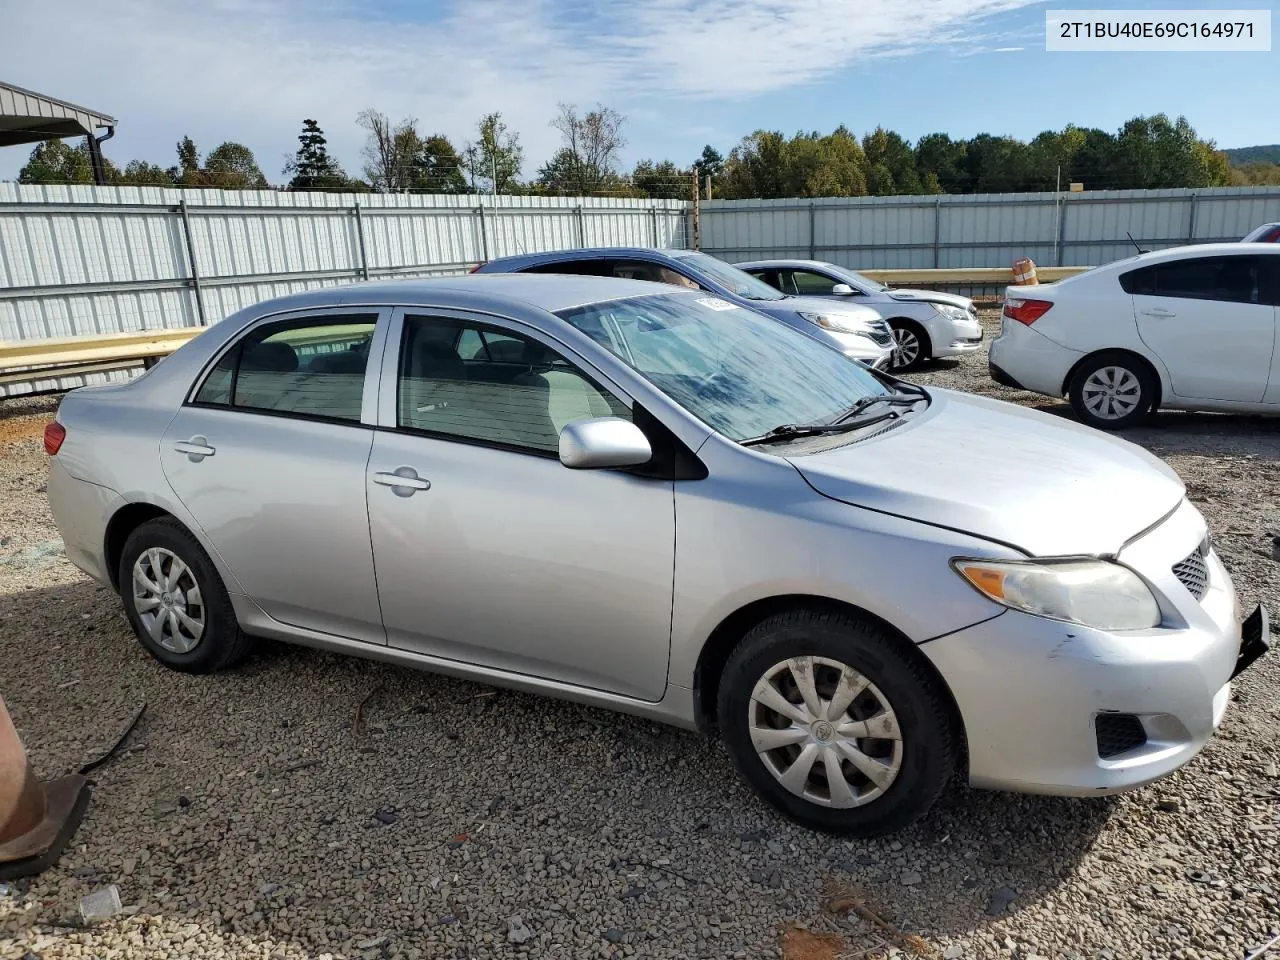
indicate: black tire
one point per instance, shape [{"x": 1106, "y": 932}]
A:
[
  {"x": 221, "y": 642},
  {"x": 925, "y": 349},
  {"x": 1127, "y": 369},
  {"x": 929, "y": 740}
]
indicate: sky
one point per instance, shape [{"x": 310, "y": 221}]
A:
[{"x": 684, "y": 73}]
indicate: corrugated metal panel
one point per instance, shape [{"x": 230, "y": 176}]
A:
[
  {"x": 990, "y": 230},
  {"x": 130, "y": 244}
]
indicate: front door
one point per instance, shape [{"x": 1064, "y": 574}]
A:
[
  {"x": 489, "y": 551},
  {"x": 269, "y": 457},
  {"x": 1211, "y": 323}
]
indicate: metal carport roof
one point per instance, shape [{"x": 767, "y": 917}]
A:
[{"x": 27, "y": 117}]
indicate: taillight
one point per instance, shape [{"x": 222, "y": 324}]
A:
[
  {"x": 1026, "y": 311},
  {"x": 54, "y": 434}
]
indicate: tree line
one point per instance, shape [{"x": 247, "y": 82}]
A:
[{"x": 1145, "y": 153}]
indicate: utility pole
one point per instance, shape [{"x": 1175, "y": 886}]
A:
[
  {"x": 708, "y": 186},
  {"x": 697, "y": 213},
  {"x": 1057, "y": 218},
  {"x": 493, "y": 168}
]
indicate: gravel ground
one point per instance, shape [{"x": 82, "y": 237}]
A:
[{"x": 313, "y": 805}]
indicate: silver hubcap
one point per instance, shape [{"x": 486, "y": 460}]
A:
[
  {"x": 167, "y": 599},
  {"x": 825, "y": 732},
  {"x": 1110, "y": 393},
  {"x": 906, "y": 347}
]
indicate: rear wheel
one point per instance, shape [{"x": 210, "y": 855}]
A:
[
  {"x": 911, "y": 345},
  {"x": 176, "y": 602},
  {"x": 1112, "y": 391},
  {"x": 834, "y": 724}
]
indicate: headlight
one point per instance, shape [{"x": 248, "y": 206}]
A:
[
  {"x": 1094, "y": 593},
  {"x": 952, "y": 312},
  {"x": 836, "y": 322}
]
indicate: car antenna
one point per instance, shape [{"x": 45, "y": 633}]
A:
[{"x": 1134, "y": 242}]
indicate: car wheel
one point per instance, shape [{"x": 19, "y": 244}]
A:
[
  {"x": 833, "y": 723},
  {"x": 176, "y": 601},
  {"x": 1112, "y": 391},
  {"x": 911, "y": 346}
]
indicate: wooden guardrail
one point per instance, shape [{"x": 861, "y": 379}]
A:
[{"x": 26, "y": 360}]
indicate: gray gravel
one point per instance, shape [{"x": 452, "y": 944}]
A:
[{"x": 252, "y": 816}]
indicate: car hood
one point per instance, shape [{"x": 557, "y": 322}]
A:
[
  {"x": 1048, "y": 486},
  {"x": 852, "y": 311},
  {"x": 931, "y": 296}
]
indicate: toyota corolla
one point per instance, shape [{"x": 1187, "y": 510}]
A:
[{"x": 658, "y": 502}]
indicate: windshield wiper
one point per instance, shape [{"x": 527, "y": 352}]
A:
[
  {"x": 790, "y": 431},
  {"x": 892, "y": 399}
]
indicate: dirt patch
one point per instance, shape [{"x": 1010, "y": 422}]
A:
[{"x": 798, "y": 944}]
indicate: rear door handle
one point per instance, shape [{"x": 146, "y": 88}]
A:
[
  {"x": 196, "y": 449},
  {"x": 1158, "y": 312},
  {"x": 403, "y": 481}
]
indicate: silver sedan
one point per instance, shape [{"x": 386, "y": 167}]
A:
[{"x": 658, "y": 502}]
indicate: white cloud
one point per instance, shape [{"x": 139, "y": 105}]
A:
[{"x": 251, "y": 70}]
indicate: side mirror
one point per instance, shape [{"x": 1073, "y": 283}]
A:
[
  {"x": 842, "y": 290},
  {"x": 603, "y": 442}
]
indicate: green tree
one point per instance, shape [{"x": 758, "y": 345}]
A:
[
  {"x": 140, "y": 173},
  {"x": 662, "y": 181},
  {"x": 584, "y": 165},
  {"x": 391, "y": 151},
  {"x": 56, "y": 161},
  {"x": 710, "y": 163},
  {"x": 943, "y": 159},
  {"x": 767, "y": 164},
  {"x": 312, "y": 168},
  {"x": 893, "y": 163},
  {"x": 495, "y": 158},
  {"x": 187, "y": 172},
  {"x": 232, "y": 166},
  {"x": 438, "y": 167}
]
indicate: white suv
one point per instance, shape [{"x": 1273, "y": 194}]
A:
[{"x": 1189, "y": 328}]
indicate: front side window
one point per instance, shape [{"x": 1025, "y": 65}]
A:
[
  {"x": 809, "y": 284},
  {"x": 468, "y": 381},
  {"x": 307, "y": 368},
  {"x": 1231, "y": 279},
  {"x": 737, "y": 371}
]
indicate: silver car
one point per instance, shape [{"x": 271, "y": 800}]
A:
[
  {"x": 926, "y": 324},
  {"x": 655, "y": 501}
]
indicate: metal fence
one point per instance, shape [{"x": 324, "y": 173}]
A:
[
  {"x": 982, "y": 230},
  {"x": 88, "y": 261}
]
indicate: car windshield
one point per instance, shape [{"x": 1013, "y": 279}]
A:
[
  {"x": 853, "y": 276},
  {"x": 739, "y": 281},
  {"x": 741, "y": 373}
]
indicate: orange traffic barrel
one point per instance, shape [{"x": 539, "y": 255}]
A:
[{"x": 1024, "y": 272}]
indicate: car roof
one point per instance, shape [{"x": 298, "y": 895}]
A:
[
  {"x": 546, "y": 291},
  {"x": 518, "y": 261},
  {"x": 1168, "y": 254}
]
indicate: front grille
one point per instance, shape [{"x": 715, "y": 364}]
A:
[
  {"x": 1118, "y": 733},
  {"x": 884, "y": 339},
  {"x": 1193, "y": 571}
]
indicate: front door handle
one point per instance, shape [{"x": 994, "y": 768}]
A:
[
  {"x": 196, "y": 449},
  {"x": 1158, "y": 312},
  {"x": 403, "y": 481}
]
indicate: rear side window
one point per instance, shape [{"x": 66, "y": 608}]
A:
[
  {"x": 1229, "y": 279},
  {"x": 303, "y": 368}
]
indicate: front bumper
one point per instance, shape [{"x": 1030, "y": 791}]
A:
[
  {"x": 1031, "y": 691},
  {"x": 956, "y": 337}
]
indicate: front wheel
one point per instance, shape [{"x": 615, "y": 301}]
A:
[
  {"x": 834, "y": 724},
  {"x": 911, "y": 346},
  {"x": 1112, "y": 392}
]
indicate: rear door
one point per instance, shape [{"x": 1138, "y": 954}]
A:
[
  {"x": 269, "y": 456},
  {"x": 1210, "y": 321}
]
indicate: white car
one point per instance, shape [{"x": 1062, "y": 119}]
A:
[
  {"x": 1189, "y": 328},
  {"x": 926, "y": 323}
]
